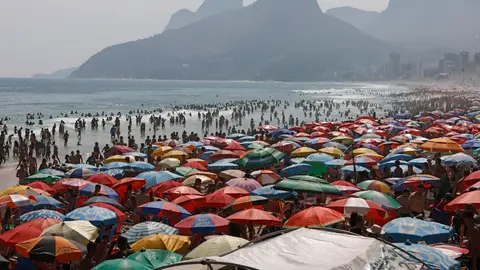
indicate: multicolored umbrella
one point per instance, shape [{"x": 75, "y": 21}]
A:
[
  {"x": 265, "y": 177},
  {"x": 153, "y": 258},
  {"x": 51, "y": 172},
  {"x": 121, "y": 186},
  {"x": 451, "y": 251},
  {"x": 271, "y": 193},
  {"x": 144, "y": 229},
  {"x": 459, "y": 159},
  {"x": 261, "y": 158},
  {"x": 190, "y": 202},
  {"x": 45, "y": 202},
  {"x": 26, "y": 231},
  {"x": 96, "y": 215},
  {"x": 173, "y": 243},
  {"x": 79, "y": 173},
  {"x": 374, "y": 185},
  {"x": 380, "y": 198},
  {"x": 89, "y": 189},
  {"x": 160, "y": 188},
  {"x": 46, "y": 178},
  {"x": 296, "y": 169},
  {"x": 50, "y": 249},
  {"x": 121, "y": 264},
  {"x": 306, "y": 186},
  {"x": 102, "y": 199},
  {"x": 222, "y": 165},
  {"x": 246, "y": 202},
  {"x": 255, "y": 217},
  {"x": 16, "y": 201},
  {"x": 358, "y": 168},
  {"x": 314, "y": 217},
  {"x": 303, "y": 152},
  {"x": 121, "y": 216},
  {"x": 418, "y": 179},
  {"x": 371, "y": 210},
  {"x": 415, "y": 230},
  {"x": 41, "y": 214},
  {"x": 432, "y": 257},
  {"x": 345, "y": 186},
  {"x": 115, "y": 165},
  {"x": 179, "y": 191},
  {"x": 80, "y": 231},
  {"x": 103, "y": 179},
  {"x": 244, "y": 183},
  {"x": 215, "y": 246},
  {"x": 203, "y": 224},
  {"x": 363, "y": 161},
  {"x": 332, "y": 151},
  {"x": 155, "y": 178},
  {"x": 163, "y": 209},
  {"x": 75, "y": 183}
]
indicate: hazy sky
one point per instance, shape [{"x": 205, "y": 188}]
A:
[{"x": 47, "y": 35}]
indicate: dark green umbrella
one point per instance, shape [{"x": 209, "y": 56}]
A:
[
  {"x": 306, "y": 186},
  {"x": 261, "y": 158},
  {"x": 45, "y": 178},
  {"x": 121, "y": 264},
  {"x": 185, "y": 170},
  {"x": 155, "y": 258},
  {"x": 308, "y": 178}
]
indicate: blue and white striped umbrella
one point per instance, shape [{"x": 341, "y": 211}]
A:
[
  {"x": 117, "y": 173},
  {"x": 136, "y": 154},
  {"x": 432, "y": 257},
  {"x": 79, "y": 173},
  {"x": 400, "y": 230},
  {"x": 116, "y": 165},
  {"x": 147, "y": 228},
  {"x": 96, "y": 215},
  {"x": 41, "y": 214},
  {"x": 155, "y": 178},
  {"x": 141, "y": 166}
]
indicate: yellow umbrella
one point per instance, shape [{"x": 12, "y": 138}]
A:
[
  {"x": 81, "y": 231},
  {"x": 360, "y": 151},
  {"x": 332, "y": 151},
  {"x": 190, "y": 181},
  {"x": 162, "y": 150},
  {"x": 303, "y": 152},
  {"x": 118, "y": 158},
  {"x": 23, "y": 190},
  {"x": 173, "y": 243},
  {"x": 343, "y": 140},
  {"x": 175, "y": 154},
  {"x": 215, "y": 246},
  {"x": 169, "y": 163}
]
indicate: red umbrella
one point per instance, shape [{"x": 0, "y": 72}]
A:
[
  {"x": 314, "y": 217},
  {"x": 371, "y": 210},
  {"x": 118, "y": 150},
  {"x": 136, "y": 183},
  {"x": 471, "y": 179},
  {"x": 461, "y": 201},
  {"x": 345, "y": 186},
  {"x": 218, "y": 200},
  {"x": 284, "y": 146},
  {"x": 203, "y": 224},
  {"x": 59, "y": 187},
  {"x": 75, "y": 183},
  {"x": 190, "y": 202},
  {"x": 235, "y": 192},
  {"x": 42, "y": 186},
  {"x": 223, "y": 154},
  {"x": 182, "y": 190},
  {"x": 164, "y": 186},
  {"x": 247, "y": 202},
  {"x": 235, "y": 146},
  {"x": 26, "y": 231},
  {"x": 195, "y": 165},
  {"x": 120, "y": 215},
  {"x": 104, "y": 179},
  {"x": 255, "y": 217}
]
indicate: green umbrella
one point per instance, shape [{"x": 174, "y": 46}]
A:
[
  {"x": 305, "y": 186},
  {"x": 121, "y": 264},
  {"x": 51, "y": 172},
  {"x": 155, "y": 258},
  {"x": 183, "y": 171},
  {"x": 253, "y": 146},
  {"x": 46, "y": 178},
  {"x": 476, "y": 152},
  {"x": 380, "y": 198},
  {"x": 261, "y": 158},
  {"x": 308, "y": 178}
]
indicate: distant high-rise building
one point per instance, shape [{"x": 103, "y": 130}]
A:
[
  {"x": 441, "y": 66},
  {"x": 395, "y": 62},
  {"x": 464, "y": 61},
  {"x": 476, "y": 59},
  {"x": 451, "y": 60}
]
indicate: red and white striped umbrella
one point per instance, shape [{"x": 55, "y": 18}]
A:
[
  {"x": 265, "y": 177},
  {"x": 345, "y": 187},
  {"x": 16, "y": 200},
  {"x": 371, "y": 210}
]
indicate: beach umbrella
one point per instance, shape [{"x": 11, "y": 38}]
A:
[
  {"x": 471, "y": 144},
  {"x": 147, "y": 228},
  {"x": 451, "y": 251},
  {"x": 255, "y": 217},
  {"x": 41, "y": 186},
  {"x": 96, "y": 215},
  {"x": 102, "y": 199},
  {"x": 418, "y": 179},
  {"x": 345, "y": 140},
  {"x": 308, "y": 178},
  {"x": 153, "y": 258},
  {"x": 303, "y": 152},
  {"x": 246, "y": 202},
  {"x": 244, "y": 183},
  {"x": 360, "y": 151},
  {"x": 205, "y": 180},
  {"x": 218, "y": 199},
  {"x": 405, "y": 169},
  {"x": 371, "y": 210},
  {"x": 80, "y": 231},
  {"x": 203, "y": 224},
  {"x": 236, "y": 136},
  {"x": 230, "y": 174},
  {"x": 318, "y": 158},
  {"x": 281, "y": 131},
  {"x": 335, "y": 163},
  {"x": 314, "y": 217},
  {"x": 223, "y": 154},
  {"x": 82, "y": 166},
  {"x": 45, "y": 202},
  {"x": 369, "y": 146},
  {"x": 79, "y": 173},
  {"x": 39, "y": 214},
  {"x": 255, "y": 145},
  {"x": 418, "y": 162},
  {"x": 50, "y": 249},
  {"x": 265, "y": 177},
  {"x": 120, "y": 149},
  {"x": 222, "y": 165},
  {"x": 215, "y": 246},
  {"x": 285, "y": 146},
  {"x": 135, "y": 154},
  {"x": 415, "y": 230},
  {"x": 391, "y": 164},
  {"x": 432, "y": 257},
  {"x": 122, "y": 185},
  {"x": 195, "y": 165},
  {"x": 317, "y": 142},
  {"x": 271, "y": 193},
  {"x": 345, "y": 186},
  {"x": 235, "y": 147},
  {"x": 363, "y": 161},
  {"x": 160, "y": 188},
  {"x": 89, "y": 189},
  {"x": 26, "y": 231},
  {"x": 459, "y": 159},
  {"x": 380, "y": 198},
  {"x": 51, "y": 172},
  {"x": 169, "y": 163},
  {"x": 190, "y": 202},
  {"x": 374, "y": 185},
  {"x": 396, "y": 157},
  {"x": 332, "y": 151},
  {"x": 16, "y": 201},
  {"x": 471, "y": 179},
  {"x": 441, "y": 145},
  {"x": 75, "y": 183},
  {"x": 155, "y": 178},
  {"x": 336, "y": 145},
  {"x": 358, "y": 168},
  {"x": 247, "y": 139},
  {"x": 119, "y": 165},
  {"x": 121, "y": 264},
  {"x": 179, "y": 191},
  {"x": 173, "y": 243},
  {"x": 408, "y": 150},
  {"x": 163, "y": 209},
  {"x": 235, "y": 192},
  {"x": 45, "y": 178},
  {"x": 468, "y": 198},
  {"x": 296, "y": 169},
  {"x": 140, "y": 166},
  {"x": 267, "y": 127},
  {"x": 306, "y": 186},
  {"x": 261, "y": 158},
  {"x": 104, "y": 179},
  {"x": 175, "y": 154},
  {"x": 376, "y": 157},
  {"x": 183, "y": 171}
]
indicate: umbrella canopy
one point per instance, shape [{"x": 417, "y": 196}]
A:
[
  {"x": 50, "y": 249},
  {"x": 90, "y": 189},
  {"x": 216, "y": 246},
  {"x": 432, "y": 257},
  {"x": 103, "y": 179},
  {"x": 96, "y": 215},
  {"x": 332, "y": 151},
  {"x": 141, "y": 166},
  {"x": 121, "y": 216},
  {"x": 303, "y": 152},
  {"x": 75, "y": 183},
  {"x": 163, "y": 209},
  {"x": 183, "y": 171},
  {"x": 271, "y": 193},
  {"x": 179, "y": 191},
  {"x": 121, "y": 264},
  {"x": 314, "y": 217},
  {"x": 371, "y": 210},
  {"x": 102, "y": 199},
  {"x": 169, "y": 163},
  {"x": 415, "y": 230},
  {"x": 153, "y": 258},
  {"x": 26, "y": 231},
  {"x": 441, "y": 145},
  {"x": 51, "y": 172},
  {"x": 380, "y": 198},
  {"x": 164, "y": 186},
  {"x": 255, "y": 217},
  {"x": 244, "y": 183},
  {"x": 115, "y": 165},
  {"x": 173, "y": 243},
  {"x": 195, "y": 165},
  {"x": 23, "y": 190},
  {"x": 79, "y": 173},
  {"x": 45, "y": 202},
  {"x": 451, "y": 251},
  {"x": 459, "y": 159},
  {"x": 374, "y": 185},
  {"x": 306, "y": 186},
  {"x": 461, "y": 201},
  {"x": 261, "y": 158},
  {"x": 335, "y": 163},
  {"x": 16, "y": 201},
  {"x": 203, "y": 224},
  {"x": 222, "y": 165},
  {"x": 144, "y": 229},
  {"x": 190, "y": 202},
  {"x": 80, "y": 231},
  {"x": 155, "y": 178},
  {"x": 121, "y": 186},
  {"x": 418, "y": 179},
  {"x": 230, "y": 174},
  {"x": 175, "y": 154},
  {"x": 363, "y": 161},
  {"x": 246, "y": 202},
  {"x": 358, "y": 168},
  {"x": 265, "y": 177},
  {"x": 235, "y": 192},
  {"x": 46, "y": 178},
  {"x": 218, "y": 199},
  {"x": 346, "y": 187},
  {"x": 301, "y": 168},
  {"x": 204, "y": 180},
  {"x": 42, "y": 186},
  {"x": 41, "y": 214}
]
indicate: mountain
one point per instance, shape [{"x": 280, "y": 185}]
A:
[
  {"x": 185, "y": 17},
  {"x": 420, "y": 24},
  {"x": 59, "y": 74},
  {"x": 267, "y": 40}
]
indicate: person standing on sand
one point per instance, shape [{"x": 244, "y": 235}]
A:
[
  {"x": 22, "y": 171},
  {"x": 78, "y": 157},
  {"x": 65, "y": 138},
  {"x": 32, "y": 162}
]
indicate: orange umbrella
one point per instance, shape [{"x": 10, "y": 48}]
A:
[
  {"x": 50, "y": 249},
  {"x": 316, "y": 217},
  {"x": 235, "y": 192},
  {"x": 255, "y": 217},
  {"x": 104, "y": 179},
  {"x": 26, "y": 231},
  {"x": 190, "y": 202},
  {"x": 441, "y": 145}
]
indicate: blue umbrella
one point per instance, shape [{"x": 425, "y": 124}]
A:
[
  {"x": 45, "y": 202},
  {"x": 117, "y": 173},
  {"x": 401, "y": 116},
  {"x": 236, "y": 136},
  {"x": 103, "y": 199},
  {"x": 318, "y": 158},
  {"x": 358, "y": 168},
  {"x": 405, "y": 169},
  {"x": 281, "y": 131},
  {"x": 296, "y": 169},
  {"x": 396, "y": 157},
  {"x": 79, "y": 173},
  {"x": 432, "y": 257},
  {"x": 155, "y": 178},
  {"x": 415, "y": 230},
  {"x": 136, "y": 154},
  {"x": 269, "y": 192},
  {"x": 297, "y": 160},
  {"x": 144, "y": 229},
  {"x": 391, "y": 164},
  {"x": 115, "y": 165},
  {"x": 141, "y": 166},
  {"x": 418, "y": 162},
  {"x": 247, "y": 139},
  {"x": 336, "y": 145},
  {"x": 206, "y": 155},
  {"x": 89, "y": 189},
  {"x": 471, "y": 144},
  {"x": 222, "y": 165},
  {"x": 458, "y": 160},
  {"x": 96, "y": 215},
  {"x": 41, "y": 214},
  {"x": 209, "y": 148},
  {"x": 336, "y": 163}
]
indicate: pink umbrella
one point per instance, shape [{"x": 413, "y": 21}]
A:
[{"x": 244, "y": 183}]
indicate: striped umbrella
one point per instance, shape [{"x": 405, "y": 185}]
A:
[
  {"x": 116, "y": 165},
  {"x": 363, "y": 161},
  {"x": 155, "y": 178},
  {"x": 374, "y": 185},
  {"x": 80, "y": 231},
  {"x": 265, "y": 177},
  {"x": 121, "y": 216},
  {"x": 316, "y": 217},
  {"x": 203, "y": 224},
  {"x": 441, "y": 145},
  {"x": 117, "y": 173},
  {"x": 144, "y": 229},
  {"x": 89, "y": 190},
  {"x": 435, "y": 259},
  {"x": 16, "y": 201},
  {"x": 50, "y": 249},
  {"x": 163, "y": 209},
  {"x": 79, "y": 173},
  {"x": 296, "y": 169},
  {"x": 96, "y": 215},
  {"x": 380, "y": 198},
  {"x": 345, "y": 186},
  {"x": 222, "y": 165},
  {"x": 41, "y": 214},
  {"x": 371, "y": 210},
  {"x": 415, "y": 180},
  {"x": 45, "y": 202}
]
